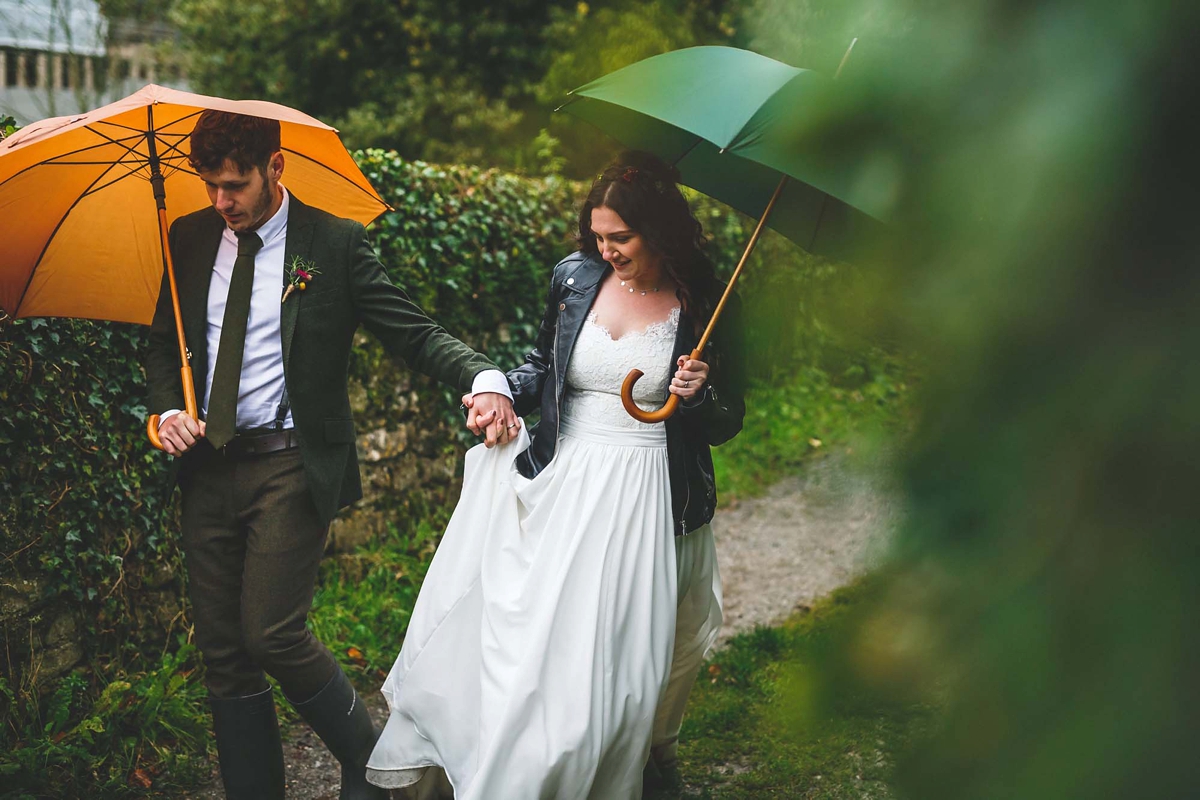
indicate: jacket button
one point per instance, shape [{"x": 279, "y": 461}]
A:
[
  {"x": 570, "y": 281},
  {"x": 562, "y": 306}
]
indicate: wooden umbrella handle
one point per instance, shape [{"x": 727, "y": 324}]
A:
[
  {"x": 189, "y": 403},
  {"x": 673, "y": 401},
  {"x": 152, "y": 432},
  {"x": 649, "y": 417},
  {"x": 185, "y": 366}
]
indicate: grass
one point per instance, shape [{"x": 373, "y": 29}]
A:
[
  {"x": 119, "y": 735},
  {"x": 364, "y": 600},
  {"x": 777, "y": 713},
  {"x": 790, "y": 420}
]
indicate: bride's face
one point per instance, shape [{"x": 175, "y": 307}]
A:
[{"x": 630, "y": 255}]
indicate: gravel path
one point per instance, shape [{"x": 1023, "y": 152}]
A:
[
  {"x": 806, "y": 537},
  {"x": 809, "y": 535}
]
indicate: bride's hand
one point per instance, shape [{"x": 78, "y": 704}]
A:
[
  {"x": 689, "y": 379},
  {"x": 497, "y": 423}
]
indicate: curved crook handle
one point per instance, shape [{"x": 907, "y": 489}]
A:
[
  {"x": 661, "y": 414},
  {"x": 152, "y": 432},
  {"x": 637, "y": 413},
  {"x": 189, "y": 405}
]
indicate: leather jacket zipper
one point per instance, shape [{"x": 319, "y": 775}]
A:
[
  {"x": 687, "y": 501},
  {"x": 557, "y": 390}
]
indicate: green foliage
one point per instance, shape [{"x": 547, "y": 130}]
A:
[
  {"x": 113, "y": 736},
  {"x": 84, "y": 500},
  {"x": 465, "y": 81},
  {"x": 474, "y": 248},
  {"x": 594, "y": 41},
  {"x": 140, "y": 10},
  {"x": 8, "y": 126},
  {"x": 815, "y": 34},
  {"x": 1048, "y": 561},
  {"x": 84, "y": 518},
  {"x": 589, "y": 40},
  {"x": 770, "y": 716},
  {"x": 434, "y": 79}
]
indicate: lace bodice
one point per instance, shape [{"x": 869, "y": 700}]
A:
[{"x": 599, "y": 364}]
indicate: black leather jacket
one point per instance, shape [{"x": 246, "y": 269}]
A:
[{"x": 716, "y": 418}]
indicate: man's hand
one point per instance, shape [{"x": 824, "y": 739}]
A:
[
  {"x": 491, "y": 414},
  {"x": 180, "y": 433}
]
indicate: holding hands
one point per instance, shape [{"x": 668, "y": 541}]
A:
[
  {"x": 689, "y": 379},
  {"x": 491, "y": 414}
]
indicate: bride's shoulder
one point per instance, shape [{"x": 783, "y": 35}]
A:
[{"x": 578, "y": 270}]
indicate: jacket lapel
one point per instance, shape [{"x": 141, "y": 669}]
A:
[
  {"x": 579, "y": 292},
  {"x": 301, "y": 225},
  {"x": 193, "y": 273}
]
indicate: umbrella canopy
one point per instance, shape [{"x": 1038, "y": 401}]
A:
[
  {"x": 79, "y": 220},
  {"x": 734, "y": 123},
  {"x": 751, "y": 132}
]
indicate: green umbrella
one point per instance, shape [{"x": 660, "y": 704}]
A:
[{"x": 750, "y": 132}]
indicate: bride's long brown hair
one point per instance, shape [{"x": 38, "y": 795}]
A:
[{"x": 644, "y": 192}]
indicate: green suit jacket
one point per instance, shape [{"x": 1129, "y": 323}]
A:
[{"x": 316, "y": 331}]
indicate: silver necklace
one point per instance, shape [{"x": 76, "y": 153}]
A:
[{"x": 642, "y": 291}]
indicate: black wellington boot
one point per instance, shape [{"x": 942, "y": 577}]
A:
[
  {"x": 248, "y": 746},
  {"x": 338, "y": 716}
]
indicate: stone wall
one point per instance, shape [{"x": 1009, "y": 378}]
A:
[{"x": 409, "y": 454}]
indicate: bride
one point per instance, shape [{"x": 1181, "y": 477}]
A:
[{"x": 575, "y": 592}]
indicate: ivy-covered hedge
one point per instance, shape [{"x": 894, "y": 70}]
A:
[
  {"x": 91, "y": 579},
  {"x": 473, "y": 248}
]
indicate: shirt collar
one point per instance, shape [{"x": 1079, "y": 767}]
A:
[{"x": 273, "y": 228}]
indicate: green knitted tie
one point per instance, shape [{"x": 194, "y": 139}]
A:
[{"x": 222, "y": 400}]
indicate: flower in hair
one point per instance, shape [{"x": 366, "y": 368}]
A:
[{"x": 629, "y": 174}]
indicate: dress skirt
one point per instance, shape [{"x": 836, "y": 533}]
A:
[{"x": 543, "y": 637}]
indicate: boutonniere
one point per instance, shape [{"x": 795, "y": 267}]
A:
[{"x": 299, "y": 275}]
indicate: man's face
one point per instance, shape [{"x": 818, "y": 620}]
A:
[{"x": 244, "y": 199}]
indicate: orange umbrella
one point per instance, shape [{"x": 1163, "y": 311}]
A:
[{"x": 84, "y": 197}]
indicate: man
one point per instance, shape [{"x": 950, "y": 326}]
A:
[{"x": 273, "y": 457}]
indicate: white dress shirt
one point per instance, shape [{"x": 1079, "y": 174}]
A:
[{"x": 260, "y": 387}]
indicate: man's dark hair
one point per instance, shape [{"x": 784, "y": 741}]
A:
[{"x": 248, "y": 142}]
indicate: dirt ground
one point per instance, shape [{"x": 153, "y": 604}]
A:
[{"x": 808, "y": 535}]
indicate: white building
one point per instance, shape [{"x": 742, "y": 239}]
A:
[{"x": 62, "y": 57}]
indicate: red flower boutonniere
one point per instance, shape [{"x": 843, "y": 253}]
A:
[{"x": 299, "y": 274}]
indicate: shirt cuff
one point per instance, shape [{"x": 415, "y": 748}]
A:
[
  {"x": 491, "y": 380},
  {"x": 166, "y": 415}
]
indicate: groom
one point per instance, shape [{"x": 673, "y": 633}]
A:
[{"x": 273, "y": 457}]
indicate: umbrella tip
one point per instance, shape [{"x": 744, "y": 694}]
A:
[{"x": 722, "y": 151}]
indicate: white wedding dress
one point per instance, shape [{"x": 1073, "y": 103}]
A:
[{"x": 544, "y": 637}]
